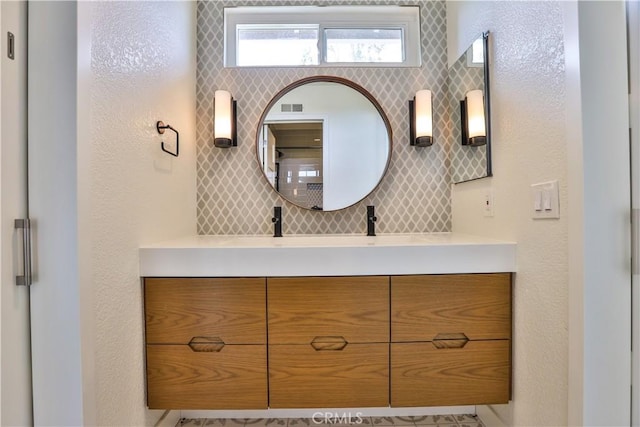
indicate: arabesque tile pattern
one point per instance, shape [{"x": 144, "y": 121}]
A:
[{"x": 233, "y": 197}]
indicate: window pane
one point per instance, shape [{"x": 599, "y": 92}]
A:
[
  {"x": 282, "y": 45},
  {"x": 364, "y": 45},
  {"x": 478, "y": 51}
]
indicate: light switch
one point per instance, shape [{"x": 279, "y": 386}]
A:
[
  {"x": 545, "y": 200},
  {"x": 537, "y": 200}
]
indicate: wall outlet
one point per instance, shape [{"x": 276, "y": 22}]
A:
[
  {"x": 545, "y": 200},
  {"x": 488, "y": 203}
]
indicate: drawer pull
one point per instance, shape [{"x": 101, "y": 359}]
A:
[
  {"x": 206, "y": 344},
  {"x": 454, "y": 340},
  {"x": 328, "y": 343}
]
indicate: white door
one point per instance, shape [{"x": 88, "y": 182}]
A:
[
  {"x": 15, "y": 400},
  {"x": 633, "y": 18},
  {"x": 53, "y": 210},
  {"x": 40, "y": 328}
]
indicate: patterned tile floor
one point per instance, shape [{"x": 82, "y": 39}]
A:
[{"x": 412, "y": 421}]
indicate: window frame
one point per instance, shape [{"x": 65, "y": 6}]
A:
[{"x": 406, "y": 18}]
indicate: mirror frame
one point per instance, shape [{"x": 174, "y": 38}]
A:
[
  {"x": 324, "y": 79},
  {"x": 487, "y": 112},
  {"x": 487, "y": 101}
]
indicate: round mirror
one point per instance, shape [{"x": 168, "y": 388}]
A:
[{"x": 324, "y": 143}]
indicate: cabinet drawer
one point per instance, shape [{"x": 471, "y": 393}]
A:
[
  {"x": 233, "y": 378},
  {"x": 477, "y": 305},
  {"x": 478, "y": 373},
  {"x": 233, "y": 310},
  {"x": 302, "y": 377},
  {"x": 303, "y": 308}
]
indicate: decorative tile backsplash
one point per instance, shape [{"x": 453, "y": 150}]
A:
[{"x": 233, "y": 195}]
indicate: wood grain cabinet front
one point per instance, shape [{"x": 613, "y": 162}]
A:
[
  {"x": 328, "y": 342},
  {"x": 450, "y": 339},
  {"x": 206, "y": 343}
]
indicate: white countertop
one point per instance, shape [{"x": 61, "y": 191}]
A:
[{"x": 326, "y": 255}]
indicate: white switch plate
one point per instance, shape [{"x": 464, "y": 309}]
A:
[
  {"x": 488, "y": 203},
  {"x": 545, "y": 200}
]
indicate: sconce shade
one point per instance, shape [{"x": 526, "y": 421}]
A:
[
  {"x": 421, "y": 123},
  {"x": 475, "y": 123},
  {"x": 224, "y": 119}
]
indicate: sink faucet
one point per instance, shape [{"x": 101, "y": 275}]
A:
[
  {"x": 371, "y": 220},
  {"x": 277, "y": 221}
]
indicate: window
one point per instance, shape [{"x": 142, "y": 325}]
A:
[
  {"x": 322, "y": 36},
  {"x": 363, "y": 45},
  {"x": 271, "y": 45},
  {"x": 475, "y": 53}
]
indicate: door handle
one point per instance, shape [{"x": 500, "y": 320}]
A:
[
  {"x": 26, "y": 279},
  {"x": 635, "y": 241}
]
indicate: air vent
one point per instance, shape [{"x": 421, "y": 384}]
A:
[{"x": 291, "y": 108}]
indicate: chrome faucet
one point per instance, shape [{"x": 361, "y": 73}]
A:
[
  {"x": 277, "y": 221},
  {"x": 371, "y": 220}
]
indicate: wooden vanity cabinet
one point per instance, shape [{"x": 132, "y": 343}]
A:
[
  {"x": 450, "y": 339},
  {"x": 328, "y": 341},
  {"x": 206, "y": 343}
]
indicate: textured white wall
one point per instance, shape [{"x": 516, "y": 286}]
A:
[
  {"x": 142, "y": 69},
  {"x": 529, "y": 146}
]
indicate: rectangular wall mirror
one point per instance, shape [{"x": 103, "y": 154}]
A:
[{"x": 468, "y": 104}]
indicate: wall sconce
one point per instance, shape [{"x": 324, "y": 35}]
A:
[
  {"x": 474, "y": 132},
  {"x": 421, "y": 119},
  {"x": 224, "y": 120}
]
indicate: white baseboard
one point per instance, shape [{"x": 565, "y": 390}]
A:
[
  {"x": 168, "y": 419},
  {"x": 489, "y": 417}
]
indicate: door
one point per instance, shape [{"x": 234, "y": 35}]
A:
[
  {"x": 15, "y": 397},
  {"x": 633, "y": 22},
  {"x": 40, "y": 327},
  {"x": 56, "y": 362}
]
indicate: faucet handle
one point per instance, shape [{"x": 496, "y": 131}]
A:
[
  {"x": 277, "y": 221},
  {"x": 371, "y": 219},
  {"x": 371, "y": 213}
]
